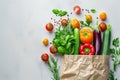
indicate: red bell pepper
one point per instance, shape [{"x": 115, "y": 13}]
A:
[{"x": 87, "y": 49}]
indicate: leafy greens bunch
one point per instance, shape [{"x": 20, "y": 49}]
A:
[
  {"x": 64, "y": 40},
  {"x": 115, "y": 52}
]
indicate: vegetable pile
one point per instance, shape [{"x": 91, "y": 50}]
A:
[
  {"x": 77, "y": 37},
  {"x": 72, "y": 35}
]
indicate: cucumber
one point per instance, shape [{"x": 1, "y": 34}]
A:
[
  {"x": 77, "y": 41},
  {"x": 106, "y": 41}
]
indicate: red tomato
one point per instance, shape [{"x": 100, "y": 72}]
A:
[
  {"x": 64, "y": 22},
  {"x": 103, "y": 26},
  {"x": 49, "y": 27},
  {"x": 45, "y": 57},
  {"x": 53, "y": 49},
  {"x": 77, "y": 9}
]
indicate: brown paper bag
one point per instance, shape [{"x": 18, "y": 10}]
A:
[{"x": 85, "y": 67}]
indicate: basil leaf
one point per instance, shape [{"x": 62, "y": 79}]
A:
[
  {"x": 59, "y": 12},
  {"x": 93, "y": 10},
  {"x": 64, "y": 13},
  {"x": 61, "y": 50},
  {"x": 68, "y": 45},
  {"x": 55, "y": 11}
]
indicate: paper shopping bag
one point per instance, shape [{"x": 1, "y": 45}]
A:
[{"x": 85, "y": 67}]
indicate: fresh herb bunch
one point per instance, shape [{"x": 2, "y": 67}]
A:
[
  {"x": 52, "y": 64},
  {"x": 59, "y": 12},
  {"x": 64, "y": 40},
  {"x": 115, "y": 52}
]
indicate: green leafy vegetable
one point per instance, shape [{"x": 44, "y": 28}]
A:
[
  {"x": 52, "y": 64},
  {"x": 64, "y": 40},
  {"x": 55, "y": 11},
  {"x": 93, "y": 10},
  {"x": 59, "y": 12},
  {"x": 116, "y": 42},
  {"x": 112, "y": 75},
  {"x": 64, "y": 13},
  {"x": 61, "y": 50},
  {"x": 115, "y": 52}
]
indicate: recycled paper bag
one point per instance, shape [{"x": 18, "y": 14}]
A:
[{"x": 85, "y": 67}]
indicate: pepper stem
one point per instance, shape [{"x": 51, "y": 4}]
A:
[
  {"x": 87, "y": 50},
  {"x": 85, "y": 34}
]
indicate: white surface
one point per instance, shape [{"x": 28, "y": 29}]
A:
[{"x": 22, "y": 30}]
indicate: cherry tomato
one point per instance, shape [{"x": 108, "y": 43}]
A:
[
  {"x": 45, "y": 57},
  {"x": 64, "y": 22},
  {"x": 103, "y": 26},
  {"x": 45, "y": 41},
  {"x": 103, "y": 16},
  {"x": 53, "y": 49},
  {"x": 75, "y": 23},
  {"x": 77, "y": 9},
  {"x": 88, "y": 18},
  {"x": 49, "y": 27}
]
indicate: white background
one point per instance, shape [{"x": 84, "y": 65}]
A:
[{"x": 22, "y": 28}]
